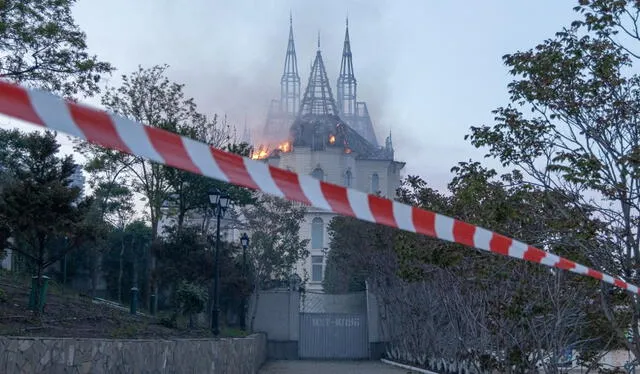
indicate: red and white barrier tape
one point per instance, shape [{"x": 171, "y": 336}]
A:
[{"x": 119, "y": 133}]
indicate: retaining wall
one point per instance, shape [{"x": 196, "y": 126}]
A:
[{"x": 97, "y": 356}]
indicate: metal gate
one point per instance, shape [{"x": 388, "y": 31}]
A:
[{"x": 333, "y": 326}]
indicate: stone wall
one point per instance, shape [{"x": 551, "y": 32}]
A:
[{"x": 96, "y": 356}]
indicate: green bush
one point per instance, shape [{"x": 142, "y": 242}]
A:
[{"x": 191, "y": 299}]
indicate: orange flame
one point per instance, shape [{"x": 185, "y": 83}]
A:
[
  {"x": 332, "y": 139},
  {"x": 285, "y": 147},
  {"x": 263, "y": 151},
  {"x": 347, "y": 150},
  {"x": 260, "y": 152}
]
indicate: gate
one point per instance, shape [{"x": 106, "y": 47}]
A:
[{"x": 333, "y": 326}]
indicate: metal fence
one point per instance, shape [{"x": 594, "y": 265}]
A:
[{"x": 333, "y": 326}]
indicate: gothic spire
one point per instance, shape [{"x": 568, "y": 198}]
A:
[
  {"x": 347, "y": 80},
  {"x": 290, "y": 81},
  {"x": 318, "y": 99}
]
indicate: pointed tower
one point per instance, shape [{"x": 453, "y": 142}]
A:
[
  {"x": 283, "y": 112},
  {"x": 318, "y": 99},
  {"x": 354, "y": 112},
  {"x": 290, "y": 81},
  {"x": 347, "y": 85}
]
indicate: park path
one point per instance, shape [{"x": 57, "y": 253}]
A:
[{"x": 333, "y": 367}]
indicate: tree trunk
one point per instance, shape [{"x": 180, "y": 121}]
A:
[
  {"x": 152, "y": 281},
  {"x": 95, "y": 268},
  {"x": 120, "y": 270},
  {"x": 39, "y": 272}
]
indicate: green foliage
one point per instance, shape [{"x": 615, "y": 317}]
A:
[
  {"x": 275, "y": 246},
  {"x": 38, "y": 207},
  {"x": 125, "y": 259},
  {"x": 40, "y": 45},
  {"x": 191, "y": 299},
  {"x": 571, "y": 129}
]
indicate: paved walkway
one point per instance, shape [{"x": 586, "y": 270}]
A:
[{"x": 332, "y": 367}]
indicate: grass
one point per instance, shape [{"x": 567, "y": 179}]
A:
[{"x": 69, "y": 314}]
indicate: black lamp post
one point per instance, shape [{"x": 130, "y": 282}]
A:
[
  {"x": 244, "y": 241},
  {"x": 219, "y": 202}
]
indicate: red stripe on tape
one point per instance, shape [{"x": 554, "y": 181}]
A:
[
  {"x": 382, "y": 210},
  {"x": 97, "y": 127},
  {"x": 424, "y": 221},
  {"x": 337, "y": 198},
  {"x": 15, "y": 102},
  {"x": 171, "y": 148},
  {"x": 620, "y": 283},
  {"x": 289, "y": 184},
  {"x": 534, "y": 254},
  {"x": 463, "y": 233},
  {"x": 594, "y": 274},
  {"x": 500, "y": 244},
  {"x": 233, "y": 167},
  {"x": 566, "y": 264}
]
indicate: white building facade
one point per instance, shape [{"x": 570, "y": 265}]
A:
[{"x": 331, "y": 140}]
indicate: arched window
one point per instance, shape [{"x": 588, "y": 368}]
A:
[
  {"x": 347, "y": 178},
  {"x": 317, "y": 233},
  {"x": 318, "y": 174},
  {"x": 375, "y": 183}
]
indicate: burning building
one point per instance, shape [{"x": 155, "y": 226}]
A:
[{"x": 332, "y": 140}]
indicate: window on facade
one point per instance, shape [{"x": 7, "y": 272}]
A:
[
  {"x": 347, "y": 178},
  {"x": 375, "y": 183},
  {"x": 317, "y": 268},
  {"x": 318, "y": 174},
  {"x": 317, "y": 233}
]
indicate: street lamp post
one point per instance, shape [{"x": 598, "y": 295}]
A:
[
  {"x": 244, "y": 241},
  {"x": 219, "y": 202}
]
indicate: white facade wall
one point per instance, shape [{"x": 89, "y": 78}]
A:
[{"x": 334, "y": 164}]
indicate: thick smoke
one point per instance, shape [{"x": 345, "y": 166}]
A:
[{"x": 245, "y": 74}]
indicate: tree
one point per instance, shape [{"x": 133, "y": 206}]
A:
[
  {"x": 40, "y": 45},
  {"x": 191, "y": 300},
  {"x": 440, "y": 300},
  {"x": 38, "y": 206},
  {"x": 275, "y": 246},
  {"x": 149, "y": 97},
  {"x": 123, "y": 262},
  {"x": 582, "y": 141},
  {"x": 190, "y": 192}
]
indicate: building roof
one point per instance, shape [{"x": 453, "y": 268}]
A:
[{"x": 319, "y": 126}]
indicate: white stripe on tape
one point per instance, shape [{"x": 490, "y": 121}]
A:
[
  {"x": 311, "y": 188},
  {"x": 202, "y": 157},
  {"x": 259, "y": 172},
  {"x": 404, "y": 216},
  {"x": 444, "y": 227},
  {"x": 54, "y": 113},
  {"x": 359, "y": 202},
  {"x": 136, "y": 139}
]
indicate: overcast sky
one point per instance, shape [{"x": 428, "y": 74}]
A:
[{"x": 428, "y": 69}]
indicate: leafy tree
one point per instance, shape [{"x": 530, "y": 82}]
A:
[
  {"x": 187, "y": 256},
  {"x": 124, "y": 261},
  {"x": 41, "y": 45},
  {"x": 191, "y": 299},
  {"x": 38, "y": 206},
  {"x": 275, "y": 246},
  {"x": 572, "y": 128},
  {"x": 490, "y": 310},
  {"x": 149, "y": 97}
]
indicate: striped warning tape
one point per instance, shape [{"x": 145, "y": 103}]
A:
[{"x": 119, "y": 133}]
